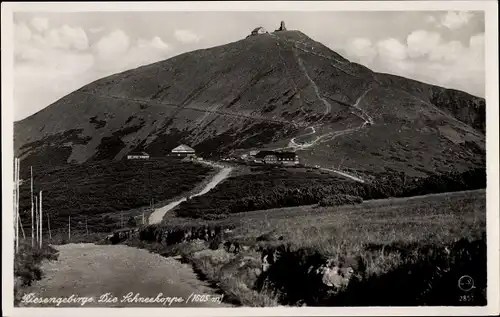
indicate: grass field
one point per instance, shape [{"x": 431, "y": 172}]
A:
[
  {"x": 439, "y": 218},
  {"x": 404, "y": 251}
]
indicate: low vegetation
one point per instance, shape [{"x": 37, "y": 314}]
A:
[
  {"x": 27, "y": 266},
  {"x": 378, "y": 248},
  {"x": 274, "y": 188},
  {"x": 95, "y": 194},
  {"x": 339, "y": 200}
]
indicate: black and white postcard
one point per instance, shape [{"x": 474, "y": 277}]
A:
[{"x": 250, "y": 158}]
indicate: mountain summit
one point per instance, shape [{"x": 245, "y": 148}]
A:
[{"x": 272, "y": 90}]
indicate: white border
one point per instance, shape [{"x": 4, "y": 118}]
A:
[{"x": 492, "y": 128}]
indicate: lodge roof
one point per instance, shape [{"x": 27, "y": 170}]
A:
[
  {"x": 257, "y": 29},
  {"x": 183, "y": 149}
]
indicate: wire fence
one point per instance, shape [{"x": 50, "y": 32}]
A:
[{"x": 79, "y": 228}]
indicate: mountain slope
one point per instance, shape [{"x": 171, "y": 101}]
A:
[{"x": 269, "y": 91}]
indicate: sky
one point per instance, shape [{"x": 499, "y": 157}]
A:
[{"x": 57, "y": 53}]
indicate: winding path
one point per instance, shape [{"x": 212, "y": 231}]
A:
[
  {"x": 328, "y": 106},
  {"x": 293, "y": 144},
  {"x": 158, "y": 214}
]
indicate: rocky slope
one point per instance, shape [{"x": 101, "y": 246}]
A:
[{"x": 258, "y": 92}]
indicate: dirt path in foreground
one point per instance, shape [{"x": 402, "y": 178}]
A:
[{"x": 89, "y": 270}]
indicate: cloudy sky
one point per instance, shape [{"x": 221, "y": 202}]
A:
[{"x": 56, "y": 53}]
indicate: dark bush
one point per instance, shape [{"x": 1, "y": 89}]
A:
[
  {"x": 338, "y": 200},
  {"x": 132, "y": 222},
  {"x": 27, "y": 266},
  {"x": 432, "y": 272}
]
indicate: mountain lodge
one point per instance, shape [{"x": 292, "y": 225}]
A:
[
  {"x": 274, "y": 157},
  {"x": 138, "y": 156},
  {"x": 183, "y": 151},
  {"x": 259, "y": 30}
]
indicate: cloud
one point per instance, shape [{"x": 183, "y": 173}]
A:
[
  {"x": 422, "y": 42},
  {"x": 46, "y": 69},
  {"x": 22, "y": 33},
  {"x": 64, "y": 38},
  {"x": 146, "y": 52},
  {"x": 430, "y": 19},
  {"x": 391, "y": 49},
  {"x": 53, "y": 65},
  {"x": 29, "y": 46},
  {"x": 96, "y": 30},
  {"x": 426, "y": 57},
  {"x": 449, "y": 52},
  {"x": 40, "y": 24},
  {"x": 155, "y": 43},
  {"x": 454, "y": 20},
  {"x": 477, "y": 45},
  {"x": 67, "y": 37},
  {"x": 186, "y": 36},
  {"x": 363, "y": 49},
  {"x": 115, "y": 52},
  {"x": 112, "y": 46}
]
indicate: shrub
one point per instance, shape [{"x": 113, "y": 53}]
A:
[
  {"x": 27, "y": 262},
  {"x": 338, "y": 200},
  {"x": 132, "y": 222},
  {"x": 215, "y": 242}
]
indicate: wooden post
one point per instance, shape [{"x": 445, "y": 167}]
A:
[
  {"x": 16, "y": 202},
  {"x": 143, "y": 220},
  {"x": 41, "y": 220},
  {"x": 32, "y": 212},
  {"x": 86, "y": 226},
  {"x": 69, "y": 228},
  {"x": 37, "y": 219},
  {"x": 48, "y": 226},
  {"x": 21, "y": 225}
]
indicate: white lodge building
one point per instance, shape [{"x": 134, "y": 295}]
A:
[
  {"x": 138, "y": 156},
  {"x": 183, "y": 151}
]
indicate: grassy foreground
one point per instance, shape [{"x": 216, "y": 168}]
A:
[
  {"x": 399, "y": 251},
  {"x": 27, "y": 266}
]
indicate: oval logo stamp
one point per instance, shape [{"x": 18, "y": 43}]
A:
[{"x": 466, "y": 283}]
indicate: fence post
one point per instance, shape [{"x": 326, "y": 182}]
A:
[
  {"x": 41, "y": 220},
  {"x": 37, "y": 219},
  {"x": 32, "y": 212},
  {"x": 69, "y": 228},
  {"x": 48, "y": 226},
  {"x": 16, "y": 203},
  {"x": 21, "y": 225}
]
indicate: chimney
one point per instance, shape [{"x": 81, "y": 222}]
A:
[{"x": 282, "y": 26}]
